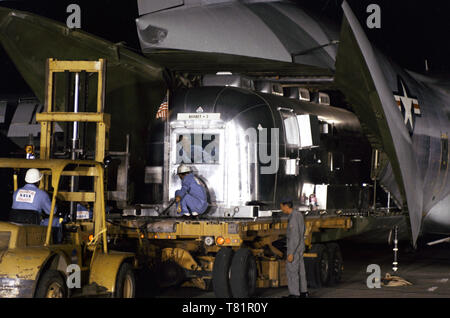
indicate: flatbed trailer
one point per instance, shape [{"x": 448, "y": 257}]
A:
[
  {"x": 205, "y": 252},
  {"x": 236, "y": 255}
]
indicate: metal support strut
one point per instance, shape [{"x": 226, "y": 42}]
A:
[
  {"x": 395, "y": 249},
  {"x": 75, "y": 145}
]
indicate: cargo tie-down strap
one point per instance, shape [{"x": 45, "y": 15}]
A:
[{"x": 394, "y": 281}]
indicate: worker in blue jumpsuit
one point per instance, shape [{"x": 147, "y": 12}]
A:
[
  {"x": 31, "y": 198},
  {"x": 191, "y": 198},
  {"x": 295, "y": 265},
  {"x": 84, "y": 212}
]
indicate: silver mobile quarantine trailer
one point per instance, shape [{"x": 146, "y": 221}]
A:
[{"x": 250, "y": 149}]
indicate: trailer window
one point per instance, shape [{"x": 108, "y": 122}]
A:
[
  {"x": 291, "y": 129},
  {"x": 308, "y": 126},
  {"x": 197, "y": 148}
]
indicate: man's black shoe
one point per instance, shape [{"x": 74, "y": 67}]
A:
[{"x": 304, "y": 295}]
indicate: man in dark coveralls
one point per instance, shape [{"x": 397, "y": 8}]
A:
[{"x": 295, "y": 266}]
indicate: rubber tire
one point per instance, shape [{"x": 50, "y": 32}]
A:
[
  {"x": 336, "y": 263},
  {"x": 221, "y": 273},
  {"x": 243, "y": 274},
  {"x": 322, "y": 275},
  {"x": 312, "y": 278},
  {"x": 124, "y": 270},
  {"x": 49, "y": 277}
]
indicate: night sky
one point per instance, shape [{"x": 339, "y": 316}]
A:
[{"x": 411, "y": 31}]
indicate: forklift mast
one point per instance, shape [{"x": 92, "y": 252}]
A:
[{"x": 50, "y": 116}]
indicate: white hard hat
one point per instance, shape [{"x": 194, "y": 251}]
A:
[
  {"x": 33, "y": 176},
  {"x": 183, "y": 169}
]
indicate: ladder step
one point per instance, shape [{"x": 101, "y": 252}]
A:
[
  {"x": 75, "y": 66},
  {"x": 77, "y": 196}
]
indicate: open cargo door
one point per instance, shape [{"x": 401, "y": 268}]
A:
[{"x": 360, "y": 77}]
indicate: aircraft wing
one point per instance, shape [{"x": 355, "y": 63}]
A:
[
  {"x": 135, "y": 85},
  {"x": 361, "y": 78}
]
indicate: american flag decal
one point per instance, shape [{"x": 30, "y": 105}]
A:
[{"x": 163, "y": 110}]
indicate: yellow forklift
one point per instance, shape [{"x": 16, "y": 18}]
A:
[{"x": 32, "y": 262}]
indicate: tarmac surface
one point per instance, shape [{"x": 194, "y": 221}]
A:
[{"x": 427, "y": 268}]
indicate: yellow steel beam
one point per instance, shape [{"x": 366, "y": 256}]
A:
[
  {"x": 101, "y": 142},
  {"x": 265, "y": 229},
  {"x": 49, "y": 86},
  {"x": 52, "y": 208},
  {"x": 72, "y": 117},
  {"x": 46, "y": 128},
  {"x": 75, "y": 66},
  {"x": 15, "y": 181},
  {"x": 45, "y": 140},
  {"x": 312, "y": 255},
  {"x": 77, "y": 196},
  {"x": 81, "y": 172},
  {"x": 51, "y": 164},
  {"x": 101, "y": 86},
  {"x": 331, "y": 223}
]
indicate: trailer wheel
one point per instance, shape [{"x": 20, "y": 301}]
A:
[
  {"x": 243, "y": 274},
  {"x": 125, "y": 282},
  {"x": 51, "y": 285},
  {"x": 321, "y": 264},
  {"x": 336, "y": 263},
  {"x": 221, "y": 273}
]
